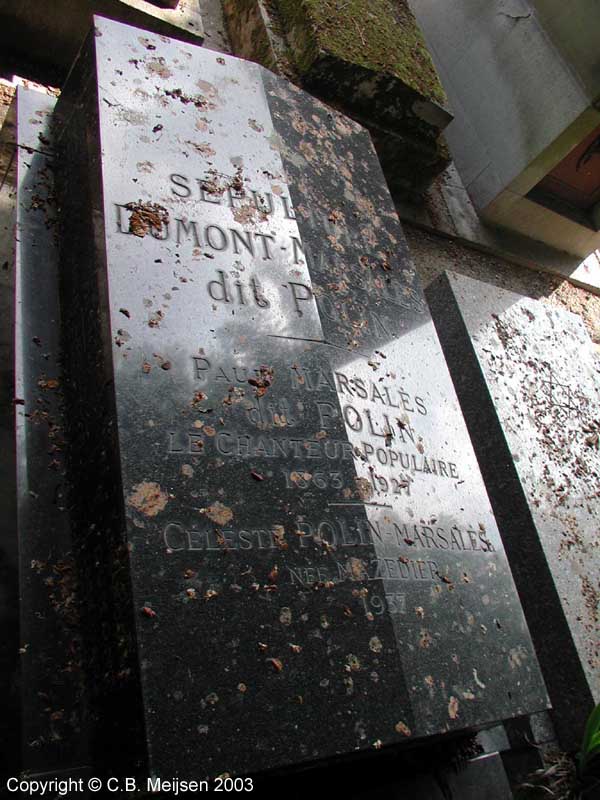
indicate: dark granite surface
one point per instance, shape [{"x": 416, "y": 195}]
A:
[
  {"x": 528, "y": 378},
  {"x": 265, "y": 434},
  {"x": 47, "y": 681}
]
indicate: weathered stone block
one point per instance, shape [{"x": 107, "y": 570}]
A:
[
  {"x": 528, "y": 379},
  {"x": 366, "y": 58},
  {"x": 381, "y": 37}
]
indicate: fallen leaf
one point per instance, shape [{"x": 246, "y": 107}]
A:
[
  {"x": 401, "y": 727},
  {"x": 453, "y": 708}
]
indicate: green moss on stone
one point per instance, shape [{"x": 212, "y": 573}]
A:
[
  {"x": 299, "y": 33},
  {"x": 381, "y": 35}
]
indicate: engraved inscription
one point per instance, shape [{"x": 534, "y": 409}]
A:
[
  {"x": 335, "y": 534},
  {"x": 392, "y": 421}
]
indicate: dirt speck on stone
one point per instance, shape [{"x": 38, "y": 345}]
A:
[
  {"x": 364, "y": 488},
  {"x": 203, "y": 148},
  {"x": 146, "y": 217},
  {"x": 158, "y": 66},
  {"x": 248, "y": 215},
  {"x": 356, "y": 568},
  {"x": 148, "y": 498},
  {"x": 453, "y": 708},
  {"x": 219, "y": 513}
]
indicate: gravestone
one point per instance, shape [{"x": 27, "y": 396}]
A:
[
  {"x": 273, "y": 481},
  {"x": 45, "y": 732},
  {"x": 528, "y": 379}
]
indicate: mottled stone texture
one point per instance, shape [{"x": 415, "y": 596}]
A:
[
  {"x": 40, "y": 657},
  {"x": 366, "y": 58},
  {"x": 528, "y": 379},
  {"x": 281, "y": 522},
  {"x": 116, "y": 715}
]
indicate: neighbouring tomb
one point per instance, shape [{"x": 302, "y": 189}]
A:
[
  {"x": 47, "y": 730},
  {"x": 273, "y": 480},
  {"x": 528, "y": 379},
  {"x": 366, "y": 57}
]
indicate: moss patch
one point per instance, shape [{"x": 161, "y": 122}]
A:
[{"x": 381, "y": 35}]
